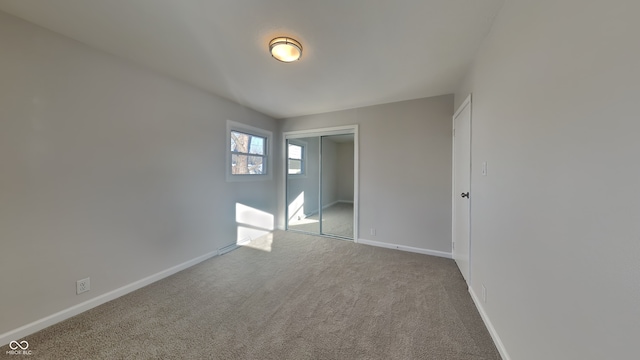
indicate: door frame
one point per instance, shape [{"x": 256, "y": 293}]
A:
[
  {"x": 336, "y": 130},
  {"x": 454, "y": 195}
]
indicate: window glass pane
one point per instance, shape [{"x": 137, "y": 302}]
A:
[
  {"x": 257, "y": 145},
  {"x": 239, "y": 142},
  {"x": 238, "y": 164},
  {"x": 247, "y": 165},
  {"x": 295, "y": 152},
  {"x": 247, "y": 143},
  {"x": 295, "y": 166},
  {"x": 256, "y": 165}
]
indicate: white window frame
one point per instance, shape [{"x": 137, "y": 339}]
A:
[
  {"x": 303, "y": 145},
  {"x": 251, "y": 130}
]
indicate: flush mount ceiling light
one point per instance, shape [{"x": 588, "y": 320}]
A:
[{"x": 285, "y": 49}]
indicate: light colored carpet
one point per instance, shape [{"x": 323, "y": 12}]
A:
[
  {"x": 337, "y": 220},
  {"x": 285, "y": 296}
]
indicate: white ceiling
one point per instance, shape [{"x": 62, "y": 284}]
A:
[{"x": 356, "y": 52}]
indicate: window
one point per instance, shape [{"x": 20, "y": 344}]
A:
[
  {"x": 295, "y": 159},
  {"x": 247, "y": 152}
]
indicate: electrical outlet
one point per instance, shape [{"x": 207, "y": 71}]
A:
[
  {"x": 83, "y": 285},
  {"x": 373, "y": 231},
  {"x": 484, "y": 294}
]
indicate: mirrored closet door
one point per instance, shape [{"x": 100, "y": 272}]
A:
[{"x": 320, "y": 184}]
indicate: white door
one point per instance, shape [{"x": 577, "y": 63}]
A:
[{"x": 461, "y": 186}]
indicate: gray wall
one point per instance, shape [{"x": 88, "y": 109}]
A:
[
  {"x": 107, "y": 170},
  {"x": 405, "y": 169},
  {"x": 329, "y": 172},
  {"x": 345, "y": 171},
  {"x": 556, "y": 221}
]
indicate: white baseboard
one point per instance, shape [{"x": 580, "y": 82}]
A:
[
  {"x": 328, "y": 206},
  {"x": 405, "y": 248},
  {"x": 40, "y": 324},
  {"x": 492, "y": 331},
  {"x": 229, "y": 248}
]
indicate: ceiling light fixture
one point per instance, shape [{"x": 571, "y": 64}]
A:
[{"x": 285, "y": 49}]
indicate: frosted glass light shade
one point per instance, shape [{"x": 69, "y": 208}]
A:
[{"x": 285, "y": 49}]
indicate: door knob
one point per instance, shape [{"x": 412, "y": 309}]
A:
[{"x": 465, "y": 195}]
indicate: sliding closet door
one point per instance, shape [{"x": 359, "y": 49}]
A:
[
  {"x": 337, "y": 174},
  {"x": 321, "y": 178},
  {"x": 303, "y": 184}
]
